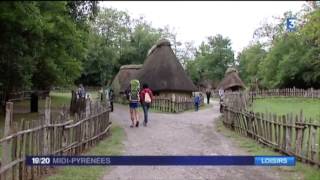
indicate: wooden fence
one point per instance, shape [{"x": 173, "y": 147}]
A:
[
  {"x": 176, "y": 105},
  {"x": 166, "y": 104},
  {"x": 290, "y": 134},
  {"x": 49, "y": 136},
  {"x": 309, "y": 93}
]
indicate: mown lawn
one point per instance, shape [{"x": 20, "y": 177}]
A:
[
  {"x": 310, "y": 107},
  {"x": 110, "y": 146},
  {"x": 252, "y": 147}
]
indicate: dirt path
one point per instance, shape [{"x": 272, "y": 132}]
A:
[{"x": 190, "y": 133}]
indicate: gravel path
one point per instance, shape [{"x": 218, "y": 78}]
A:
[{"x": 189, "y": 133}]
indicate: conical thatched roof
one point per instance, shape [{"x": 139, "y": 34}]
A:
[
  {"x": 124, "y": 76},
  {"x": 231, "y": 80},
  {"x": 163, "y": 72}
]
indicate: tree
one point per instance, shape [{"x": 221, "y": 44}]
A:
[
  {"x": 20, "y": 38},
  {"x": 249, "y": 60},
  {"x": 214, "y": 57},
  {"x": 293, "y": 59},
  {"x": 62, "y": 48},
  {"x": 82, "y": 11}
]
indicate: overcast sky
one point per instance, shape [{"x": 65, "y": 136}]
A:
[{"x": 194, "y": 21}]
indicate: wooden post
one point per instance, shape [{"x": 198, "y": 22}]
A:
[
  {"x": 313, "y": 149},
  {"x": 284, "y": 132},
  {"x": 87, "y": 101},
  {"x": 47, "y": 114},
  {"x": 7, "y": 131},
  {"x": 288, "y": 132}
]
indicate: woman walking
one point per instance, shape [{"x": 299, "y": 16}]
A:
[{"x": 146, "y": 97}]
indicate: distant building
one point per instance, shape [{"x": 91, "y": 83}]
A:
[
  {"x": 231, "y": 81},
  {"x": 164, "y": 74},
  {"x": 122, "y": 80}
]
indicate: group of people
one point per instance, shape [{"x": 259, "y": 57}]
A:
[
  {"x": 137, "y": 97},
  {"x": 198, "y": 97}
]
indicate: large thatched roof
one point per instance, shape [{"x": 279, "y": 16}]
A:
[
  {"x": 124, "y": 76},
  {"x": 231, "y": 80},
  {"x": 163, "y": 72}
]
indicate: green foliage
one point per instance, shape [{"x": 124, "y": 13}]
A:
[
  {"x": 292, "y": 58},
  {"x": 249, "y": 60},
  {"x": 116, "y": 40},
  {"x": 41, "y": 45},
  {"x": 212, "y": 59},
  {"x": 20, "y": 37}
]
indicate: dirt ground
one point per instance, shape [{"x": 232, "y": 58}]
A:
[{"x": 190, "y": 133}]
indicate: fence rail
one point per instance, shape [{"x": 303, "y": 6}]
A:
[
  {"x": 49, "y": 136},
  {"x": 290, "y": 134},
  {"x": 166, "y": 104},
  {"x": 309, "y": 93},
  {"x": 176, "y": 105}
]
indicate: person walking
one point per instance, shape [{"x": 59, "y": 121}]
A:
[
  {"x": 146, "y": 97},
  {"x": 196, "y": 102},
  {"x": 134, "y": 98},
  {"x": 81, "y": 93},
  {"x": 221, "y": 95},
  {"x": 111, "y": 99},
  {"x": 208, "y": 93}
]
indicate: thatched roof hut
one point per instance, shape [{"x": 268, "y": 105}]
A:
[
  {"x": 163, "y": 72},
  {"x": 124, "y": 76},
  {"x": 231, "y": 81}
]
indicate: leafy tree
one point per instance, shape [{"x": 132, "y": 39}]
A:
[
  {"x": 20, "y": 38},
  {"x": 82, "y": 11},
  {"x": 214, "y": 57},
  {"x": 62, "y": 49},
  {"x": 249, "y": 60}
]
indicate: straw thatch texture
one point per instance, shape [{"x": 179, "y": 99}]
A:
[
  {"x": 124, "y": 76},
  {"x": 163, "y": 72},
  {"x": 231, "y": 81}
]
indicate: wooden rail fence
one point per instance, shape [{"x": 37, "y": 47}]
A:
[
  {"x": 309, "y": 93},
  {"x": 290, "y": 134},
  {"x": 49, "y": 136},
  {"x": 179, "y": 104},
  {"x": 166, "y": 104}
]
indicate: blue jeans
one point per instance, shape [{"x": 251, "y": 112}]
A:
[
  {"x": 196, "y": 106},
  {"x": 145, "y": 107}
]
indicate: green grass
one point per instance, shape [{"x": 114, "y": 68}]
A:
[
  {"x": 310, "y": 107},
  {"x": 300, "y": 171},
  {"x": 109, "y": 146}
]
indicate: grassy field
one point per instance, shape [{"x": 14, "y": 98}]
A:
[
  {"x": 109, "y": 146},
  {"x": 300, "y": 171},
  {"x": 310, "y": 107}
]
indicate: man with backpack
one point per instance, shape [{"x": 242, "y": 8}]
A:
[
  {"x": 134, "y": 98},
  {"x": 146, "y": 97}
]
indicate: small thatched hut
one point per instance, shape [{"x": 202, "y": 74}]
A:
[
  {"x": 122, "y": 80},
  {"x": 163, "y": 72},
  {"x": 231, "y": 81}
]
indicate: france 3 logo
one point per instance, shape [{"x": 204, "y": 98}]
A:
[{"x": 291, "y": 24}]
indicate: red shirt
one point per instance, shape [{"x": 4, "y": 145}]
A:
[{"x": 143, "y": 92}]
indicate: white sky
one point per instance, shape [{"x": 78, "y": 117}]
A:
[{"x": 194, "y": 20}]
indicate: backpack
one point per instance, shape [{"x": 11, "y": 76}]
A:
[
  {"x": 147, "y": 98},
  {"x": 134, "y": 90}
]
